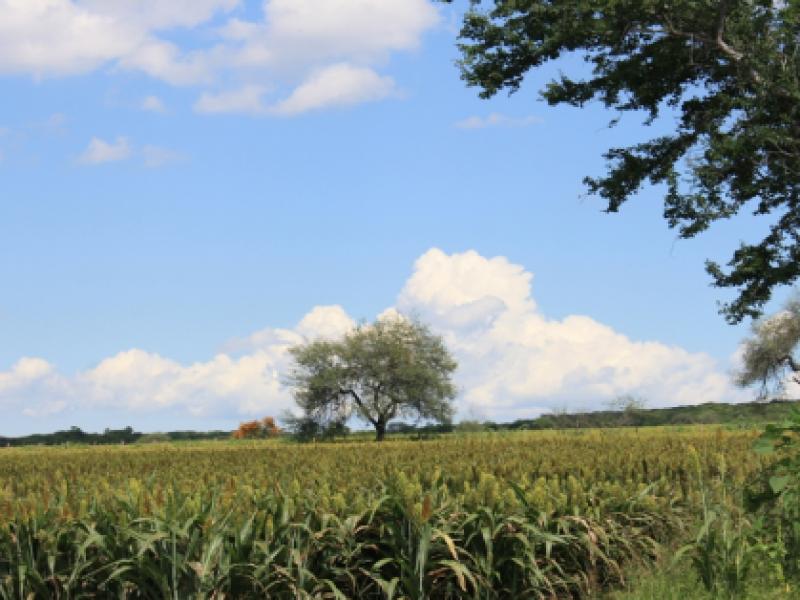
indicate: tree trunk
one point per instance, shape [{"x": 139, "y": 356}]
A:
[{"x": 380, "y": 431}]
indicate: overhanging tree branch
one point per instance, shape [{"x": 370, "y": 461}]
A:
[{"x": 736, "y": 89}]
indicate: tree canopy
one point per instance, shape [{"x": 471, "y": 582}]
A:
[
  {"x": 768, "y": 358},
  {"x": 393, "y": 367},
  {"x": 265, "y": 428},
  {"x": 730, "y": 69}
]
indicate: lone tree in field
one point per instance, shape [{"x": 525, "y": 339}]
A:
[
  {"x": 393, "y": 367},
  {"x": 730, "y": 69},
  {"x": 768, "y": 355}
]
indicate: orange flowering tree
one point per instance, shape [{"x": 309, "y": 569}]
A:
[{"x": 265, "y": 428}]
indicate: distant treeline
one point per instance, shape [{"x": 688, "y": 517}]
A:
[
  {"x": 75, "y": 435},
  {"x": 743, "y": 415}
]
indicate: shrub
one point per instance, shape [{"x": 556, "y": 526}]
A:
[{"x": 265, "y": 428}]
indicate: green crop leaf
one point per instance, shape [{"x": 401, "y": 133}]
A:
[
  {"x": 778, "y": 483},
  {"x": 763, "y": 445}
]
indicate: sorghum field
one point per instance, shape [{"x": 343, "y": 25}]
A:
[{"x": 543, "y": 515}]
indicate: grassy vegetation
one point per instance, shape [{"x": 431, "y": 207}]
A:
[
  {"x": 568, "y": 513},
  {"x": 746, "y": 540},
  {"x": 537, "y": 514},
  {"x": 663, "y": 581}
]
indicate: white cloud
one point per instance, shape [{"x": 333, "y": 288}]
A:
[
  {"x": 245, "y": 100},
  {"x": 30, "y": 382},
  {"x": 156, "y": 157},
  {"x": 25, "y": 371},
  {"x": 154, "y": 104},
  {"x": 514, "y": 361},
  {"x": 142, "y": 382},
  {"x": 496, "y": 120},
  {"x": 339, "y": 85},
  {"x": 325, "y": 46},
  {"x": 158, "y": 14},
  {"x": 62, "y": 37},
  {"x": 322, "y": 321},
  {"x": 363, "y": 31},
  {"x": 166, "y": 61},
  {"x": 325, "y": 321},
  {"x": 58, "y": 37},
  {"x": 102, "y": 152},
  {"x": 139, "y": 381}
]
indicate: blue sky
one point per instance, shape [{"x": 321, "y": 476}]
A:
[{"x": 189, "y": 186}]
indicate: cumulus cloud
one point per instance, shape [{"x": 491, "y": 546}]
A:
[
  {"x": 30, "y": 382},
  {"x": 59, "y": 37},
  {"x": 103, "y": 152},
  {"x": 291, "y": 43},
  {"x": 138, "y": 381},
  {"x": 25, "y": 371},
  {"x": 325, "y": 321},
  {"x": 322, "y": 321},
  {"x": 514, "y": 361},
  {"x": 62, "y": 37},
  {"x": 496, "y": 120}
]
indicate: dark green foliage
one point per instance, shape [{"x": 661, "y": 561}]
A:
[
  {"x": 335, "y": 430},
  {"x": 74, "y": 435},
  {"x": 305, "y": 429},
  {"x": 154, "y": 438},
  {"x": 779, "y": 491},
  {"x": 302, "y": 429},
  {"x": 744, "y": 415},
  {"x": 730, "y": 70},
  {"x": 110, "y": 436},
  {"x": 708, "y": 417},
  {"x": 682, "y": 419}
]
